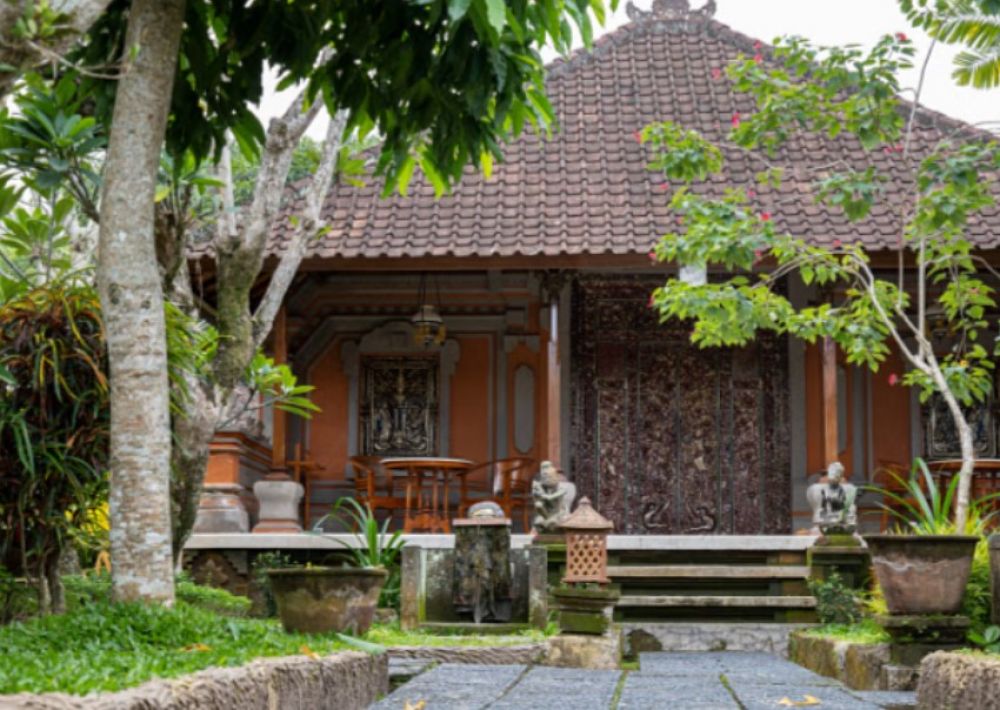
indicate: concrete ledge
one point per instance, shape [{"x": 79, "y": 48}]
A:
[
  {"x": 956, "y": 681},
  {"x": 856, "y": 665},
  {"x": 343, "y": 681},
  {"x": 623, "y": 543},
  {"x": 480, "y": 655},
  {"x": 768, "y": 637}
]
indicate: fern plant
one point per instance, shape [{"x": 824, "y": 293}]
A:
[{"x": 922, "y": 507}]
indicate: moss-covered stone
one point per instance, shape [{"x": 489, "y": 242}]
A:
[{"x": 583, "y": 622}]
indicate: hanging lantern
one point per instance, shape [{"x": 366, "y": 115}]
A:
[
  {"x": 429, "y": 328},
  {"x": 586, "y": 545}
]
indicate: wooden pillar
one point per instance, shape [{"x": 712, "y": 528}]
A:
[
  {"x": 831, "y": 448},
  {"x": 553, "y": 388},
  {"x": 279, "y": 419}
]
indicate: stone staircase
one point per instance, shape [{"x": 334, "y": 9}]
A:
[{"x": 712, "y": 578}]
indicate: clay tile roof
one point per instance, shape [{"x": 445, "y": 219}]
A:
[{"x": 586, "y": 190}]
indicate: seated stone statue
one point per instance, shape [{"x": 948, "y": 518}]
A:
[
  {"x": 833, "y": 502},
  {"x": 553, "y": 495}
]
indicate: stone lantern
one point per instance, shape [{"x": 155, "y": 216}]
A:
[
  {"x": 586, "y": 601},
  {"x": 586, "y": 533}
]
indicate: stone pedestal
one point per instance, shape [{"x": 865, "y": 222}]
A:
[
  {"x": 602, "y": 652},
  {"x": 914, "y": 637},
  {"x": 221, "y": 510},
  {"x": 279, "y": 498},
  {"x": 482, "y": 582},
  {"x": 586, "y": 610}
]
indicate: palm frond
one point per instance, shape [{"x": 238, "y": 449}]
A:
[{"x": 978, "y": 68}]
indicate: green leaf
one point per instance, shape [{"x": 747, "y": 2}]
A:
[
  {"x": 457, "y": 9},
  {"x": 496, "y": 13}
]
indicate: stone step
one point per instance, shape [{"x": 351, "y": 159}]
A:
[
  {"x": 756, "y": 602},
  {"x": 708, "y": 571}
]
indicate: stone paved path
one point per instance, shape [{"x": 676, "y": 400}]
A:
[{"x": 664, "y": 681}]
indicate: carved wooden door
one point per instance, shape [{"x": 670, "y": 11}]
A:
[{"x": 669, "y": 438}]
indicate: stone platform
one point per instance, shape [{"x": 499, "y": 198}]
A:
[{"x": 700, "y": 681}]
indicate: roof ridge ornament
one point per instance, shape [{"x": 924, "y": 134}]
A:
[{"x": 671, "y": 10}]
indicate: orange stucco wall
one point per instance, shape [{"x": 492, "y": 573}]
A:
[
  {"x": 891, "y": 431},
  {"x": 471, "y": 400},
  {"x": 328, "y": 428}
]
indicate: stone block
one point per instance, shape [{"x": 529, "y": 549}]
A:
[
  {"x": 585, "y": 651},
  {"x": 894, "y": 677},
  {"x": 343, "y": 681},
  {"x": 221, "y": 510},
  {"x": 863, "y": 665},
  {"x": 955, "y": 681}
]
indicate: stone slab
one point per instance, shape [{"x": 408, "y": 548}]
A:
[
  {"x": 585, "y": 651},
  {"x": 456, "y": 687},
  {"x": 887, "y": 699},
  {"x": 561, "y": 689},
  {"x": 724, "y": 543},
  {"x": 769, "y": 697},
  {"x": 680, "y": 665},
  {"x": 654, "y": 692}
]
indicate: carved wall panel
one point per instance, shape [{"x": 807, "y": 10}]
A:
[
  {"x": 668, "y": 438},
  {"x": 399, "y": 410}
]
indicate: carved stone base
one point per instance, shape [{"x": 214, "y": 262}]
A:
[
  {"x": 279, "y": 505},
  {"x": 221, "y": 510},
  {"x": 585, "y": 651}
]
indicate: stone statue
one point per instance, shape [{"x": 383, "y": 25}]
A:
[
  {"x": 553, "y": 496},
  {"x": 833, "y": 503}
]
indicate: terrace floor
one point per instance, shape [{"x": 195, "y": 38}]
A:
[{"x": 688, "y": 681}]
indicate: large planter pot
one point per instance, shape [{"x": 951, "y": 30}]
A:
[
  {"x": 922, "y": 574},
  {"x": 316, "y": 600}
]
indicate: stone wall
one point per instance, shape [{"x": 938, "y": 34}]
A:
[
  {"x": 858, "y": 666},
  {"x": 957, "y": 681},
  {"x": 343, "y": 681}
]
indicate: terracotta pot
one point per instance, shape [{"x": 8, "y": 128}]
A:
[
  {"x": 316, "y": 600},
  {"x": 922, "y": 574}
]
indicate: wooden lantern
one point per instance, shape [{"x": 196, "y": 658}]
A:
[{"x": 586, "y": 533}]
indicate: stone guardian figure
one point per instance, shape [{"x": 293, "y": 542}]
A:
[
  {"x": 833, "y": 503},
  {"x": 553, "y": 495}
]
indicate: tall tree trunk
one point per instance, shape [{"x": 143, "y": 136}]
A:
[
  {"x": 132, "y": 304},
  {"x": 967, "y": 446}
]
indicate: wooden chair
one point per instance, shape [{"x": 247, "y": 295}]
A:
[
  {"x": 373, "y": 486},
  {"x": 509, "y": 485}
]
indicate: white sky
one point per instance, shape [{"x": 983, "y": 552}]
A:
[{"x": 823, "y": 22}]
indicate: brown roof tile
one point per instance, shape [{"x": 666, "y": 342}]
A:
[{"x": 586, "y": 190}]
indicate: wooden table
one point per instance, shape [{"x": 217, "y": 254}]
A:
[{"x": 427, "y": 510}]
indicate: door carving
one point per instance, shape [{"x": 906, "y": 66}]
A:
[
  {"x": 669, "y": 438},
  {"x": 399, "y": 411}
]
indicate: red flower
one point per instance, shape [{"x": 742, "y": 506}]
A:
[
  {"x": 887, "y": 150},
  {"x": 736, "y": 120},
  {"x": 765, "y": 216},
  {"x": 758, "y": 59},
  {"x": 652, "y": 300},
  {"x": 898, "y": 148},
  {"x": 893, "y": 379},
  {"x": 757, "y": 255},
  {"x": 663, "y": 186},
  {"x": 652, "y": 256},
  {"x": 680, "y": 220},
  {"x": 901, "y": 37},
  {"x": 836, "y": 244},
  {"x": 758, "y": 44},
  {"x": 638, "y": 137},
  {"x": 716, "y": 73},
  {"x": 751, "y": 194}
]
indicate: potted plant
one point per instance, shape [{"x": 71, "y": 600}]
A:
[
  {"x": 924, "y": 566},
  {"x": 340, "y": 599}
]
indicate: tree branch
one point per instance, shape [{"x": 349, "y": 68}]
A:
[{"x": 311, "y": 223}]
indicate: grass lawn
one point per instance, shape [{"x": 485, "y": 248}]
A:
[{"x": 100, "y": 646}]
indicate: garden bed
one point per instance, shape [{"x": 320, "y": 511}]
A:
[{"x": 855, "y": 655}]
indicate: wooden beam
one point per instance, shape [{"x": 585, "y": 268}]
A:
[
  {"x": 831, "y": 445},
  {"x": 553, "y": 381},
  {"x": 279, "y": 419}
]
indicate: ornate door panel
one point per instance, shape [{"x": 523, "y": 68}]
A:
[
  {"x": 669, "y": 438},
  {"x": 399, "y": 409}
]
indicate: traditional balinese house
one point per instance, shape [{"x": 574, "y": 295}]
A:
[{"x": 541, "y": 278}]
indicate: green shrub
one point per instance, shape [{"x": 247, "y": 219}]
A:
[
  {"x": 836, "y": 603},
  {"x": 977, "y": 600},
  {"x": 261, "y": 564},
  {"x": 104, "y": 646}
]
